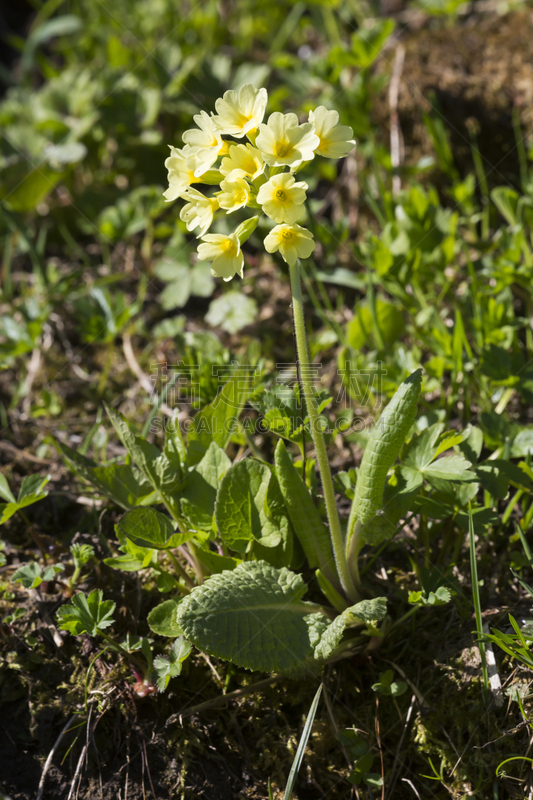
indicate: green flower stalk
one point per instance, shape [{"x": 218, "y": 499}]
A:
[{"x": 261, "y": 175}]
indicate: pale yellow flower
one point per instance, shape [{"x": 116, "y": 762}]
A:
[
  {"x": 282, "y": 198},
  {"x": 292, "y": 241},
  {"x": 199, "y": 210},
  {"x": 205, "y": 142},
  {"x": 336, "y": 141},
  {"x": 180, "y": 176},
  {"x": 285, "y": 143},
  {"x": 235, "y": 192},
  {"x": 245, "y": 158},
  {"x": 224, "y": 252},
  {"x": 240, "y": 112}
]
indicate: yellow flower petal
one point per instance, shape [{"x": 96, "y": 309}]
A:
[
  {"x": 241, "y": 112},
  {"x": 224, "y": 252},
  {"x": 285, "y": 143},
  {"x": 243, "y": 157},
  {"x": 180, "y": 176},
  {"x": 198, "y": 211},
  {"x": 292, "y": 241},
  {"x": 282, "y": 198},
  {"x": 336, "y": 140},
  {"x": 235, "y": 193}
]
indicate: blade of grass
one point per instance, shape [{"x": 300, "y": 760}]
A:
[
  {"x": 301, "y": 746},
  {"x": 477, "y": 603},
  {"x": 525, "y": 545}
]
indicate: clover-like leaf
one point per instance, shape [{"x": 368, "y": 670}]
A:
[
  {"x": 86, "y": 614},
  {"x": 439, "y": 597},
  {"x": 389, "y": 687},
  {"x": 167, "y": 667},
  {"x": 32, "y": 575}
]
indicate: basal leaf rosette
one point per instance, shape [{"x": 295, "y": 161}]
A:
[{"x": 258, "y": 174}]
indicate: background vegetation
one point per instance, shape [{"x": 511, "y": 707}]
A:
[{"x": 424, "y": 257}]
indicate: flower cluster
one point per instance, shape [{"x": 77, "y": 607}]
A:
[{"x": 258, "y": 173}]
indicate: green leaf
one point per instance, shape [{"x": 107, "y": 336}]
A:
[
  {"x": 253, "y": 616},
  {"x": 303, "y": 514},
  {"x": 86, "y": 614},
  {"x": 81, "y": 554},
  {"x": 215, "y": 422},
  {"x": 63, "y": 25},
  {"x": 506, "y": 201},
  {"x": 163, "y": 619},
  {"x": 387, "y": 686},
  {"x": 31, "y": 491},
  {"x": 232, "y": 311},
  {"x": 450, "y": 468},
  {"x": 121, "y": 483},
  {"x": 34, "y": 188},
  {"x": 5, "y": 491},
  {"x": 32, "y": 575},
  {"x": 167, "y": 667},
  {"x": 256, "y": 618},
  {"x": 438, "y": 598},
  {"x": 362, "y": 613},
  {"x": 496, "y": 475},
  {"x": 361, "y": 328},
  {"x": 240, "y": 509},
  {"x": 147, "y": 527},
  {"x": 215, "y": 562},
  {"x": 162, "y": 470},
  {"x": 383, "y": 448},
  {"x": 200, "y": 489}
]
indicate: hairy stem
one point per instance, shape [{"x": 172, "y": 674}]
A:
[{"x": 318, "y": 435}]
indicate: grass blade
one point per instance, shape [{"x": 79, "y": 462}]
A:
[
  {"x": 477, "y": 603},
  {"x": 301, "y": 746}
]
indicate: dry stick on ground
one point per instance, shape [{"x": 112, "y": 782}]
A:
[
  {"x": 406, "y": 780},
  {"x": 393, "y": 779},
  {"x": 141, "y": 376},
  {"x": 145, "y": 762},
  {"x": 395, "y": 132},
  {"x": 33, "y": 369},
  {"x": 24, "y": 455},
  {"x": 378, "y": 739},
  {"x": 335, "y": 727},
  {"x": 492, "y": 668},
  {"x": 48, "y": 761}
]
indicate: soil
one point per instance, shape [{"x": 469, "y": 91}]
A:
[{"x": 474, "y": 77}]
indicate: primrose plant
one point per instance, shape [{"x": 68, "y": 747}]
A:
[{"x": 236, "y": 540}]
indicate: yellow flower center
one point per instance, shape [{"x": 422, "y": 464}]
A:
[
  {"x": 280, "y": 195},
  {"x": 229, "y": 248},
  {"x": 249, "y": 165},
  {"x": 283, "y": 148},
  {"x": 287, "y": 234}
]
